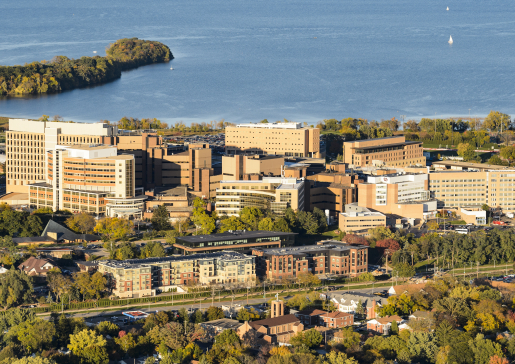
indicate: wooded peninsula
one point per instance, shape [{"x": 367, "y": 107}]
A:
[{"x": 62, "y": 73}]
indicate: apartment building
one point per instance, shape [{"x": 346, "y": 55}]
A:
[
  {"x": 288, "y": 139},
  {"x": 143, "y": 277},
  {"x": 392, "y": 151},
  {"x": 404, "y": 195},
  {"x": 251, "y": 167},
  {"x": 28, "y": 141},
  {"x": 88, "y": 178},
  {"x": 273, "y": 193},
  {"x": 241, "y": 241},
  {"x": 327, "y": 257},
  {"x": 455, "y": 189},
  {"x": 360, "y": 222}
]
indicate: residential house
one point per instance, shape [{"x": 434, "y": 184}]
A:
[
  {"x": 338, "y": 319},
  {"x": 382, "y": 325},
  {"x": 37, "y": 267},
  {"x": 420, "y": 315},
  {"x": 349, "y": 302},
  {"x": 311, "y": 317}
]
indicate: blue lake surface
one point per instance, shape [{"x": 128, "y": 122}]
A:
[{"x": 249, "y": 60}]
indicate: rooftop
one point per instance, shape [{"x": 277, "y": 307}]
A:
[
  {"x": 276, "y": 321},
  {"x": 468, "y": 165},
  {"x": 224, "y": 323},
  {"x": 236, "y": 234},
  {"x": 386, "y": 145},
  {"x": 271, "y": 126},
  {"x": 356, "y": 214},
  {"x": 326, "y": 245},
  {"x": 135, "y": 263}
]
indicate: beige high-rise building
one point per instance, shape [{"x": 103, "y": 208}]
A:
[
  {"x": 27, "y": 142},
  {"x": 88, "y": 178},
  {"x": 403, "y": 195},
  {"x": 252, "y": 167},
  {"x": 274, "y": 193},
  {"x": 288, "y": 139},
  {"x": 392, "y": 151},
  {"x": 466, "y": 188}
]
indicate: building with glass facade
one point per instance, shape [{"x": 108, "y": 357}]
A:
[{"x": 241, "y": 241}]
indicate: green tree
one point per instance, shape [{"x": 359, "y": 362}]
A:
[
  {"x": 232, "y": 223},
  {"x": 32, "y": 360},
  {"x": 466, "y": 151},
  {"x": 214, "y": 313},
  {"x": 309, "y": 339},
  {"x": 266, "y": 224},
  {"x": 107, "y": 328},
  {"x": 114, "y": 228},
  {"x": 198, "y": 317},
  {"x": 251, "y": 216},
  {"x": 495, "y": 119},
  {"x": 34, "y": 335},
  {"x": 483, "y": 349},
  {"x": 403, "y": 270},
  {"x": 125, "y": 342},
  {"x": 152, "y": 249},
  {"x": 394, "y": 329},
  {"x": 243, "y": 315},
  {"x": 160, "y": 218},
  {"x": 90, "y": 285},
  {"x": 89, "y": 347},
  {"x": 350, "y": 338},
  {"x": 334, "y": 357},
  {"x": 15, "y": 288},
  {"x": 82, "y": 223}
]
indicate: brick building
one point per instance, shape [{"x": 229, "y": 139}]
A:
[
  {"x": 279, "y": 328},
  {"x": 337, "y": 319},
  {"x": 327, "y": 257},
  {"x": 393, "y": 151}
]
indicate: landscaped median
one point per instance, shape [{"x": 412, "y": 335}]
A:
[{"x": 189, "y": 298}]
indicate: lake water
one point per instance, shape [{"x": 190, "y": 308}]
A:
[{"x": 244, "y": 60}]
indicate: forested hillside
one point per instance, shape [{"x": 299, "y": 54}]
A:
[{"x": 62, "y": 73}]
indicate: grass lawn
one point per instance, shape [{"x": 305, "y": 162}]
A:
[
  {"x": 456, "y": 222},
  {"x": 305, "y": 239}
]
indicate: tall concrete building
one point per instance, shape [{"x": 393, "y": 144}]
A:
[
  {"x": 273, "y": 193},
  {"x": 455, "y": 189},
  {"x": 288, "y": 139},
  {"x": 392, "y": 151},
  {"x": 88, "y": 178},
  {"x": 404, "y": 195},
  {"x": 27, "y": 142}
]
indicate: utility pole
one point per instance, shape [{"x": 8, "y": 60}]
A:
[
  {"x": 477, "y": 272},
  {"x": 248, "y": 295}
]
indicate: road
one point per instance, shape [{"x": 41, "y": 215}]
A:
[{"x": 106, "y": 314}]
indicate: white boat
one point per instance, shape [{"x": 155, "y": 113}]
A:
[
  {"x": 171, "y": 68},
  {"x": 450, "y": 40},
  {"x": 447, "y": 8},
  {"x": 94, "y": 51}
]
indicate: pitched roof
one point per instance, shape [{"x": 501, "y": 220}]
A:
[
  {"x": 421, "y": 314},
  {"x": 388, "y": 319},
  {"x": 36, "y": 265},
  {"x": 312, "y": 312},
  {"x": 366, "y": 299},
  {"x": 276, "y": 321},
  {"x": 65, "y": 233},
  {"x": 224, "y": 323},
  {"x": 337, "y": 314}
]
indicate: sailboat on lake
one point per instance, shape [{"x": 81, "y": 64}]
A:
[{"x": 450, "y": 40}]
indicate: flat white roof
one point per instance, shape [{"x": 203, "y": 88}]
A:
[
  {"x": 357, "y": 214},
  {"x": 271, "y": 126}
]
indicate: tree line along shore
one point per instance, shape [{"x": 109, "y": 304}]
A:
[{"x": 63, "y": 73}]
